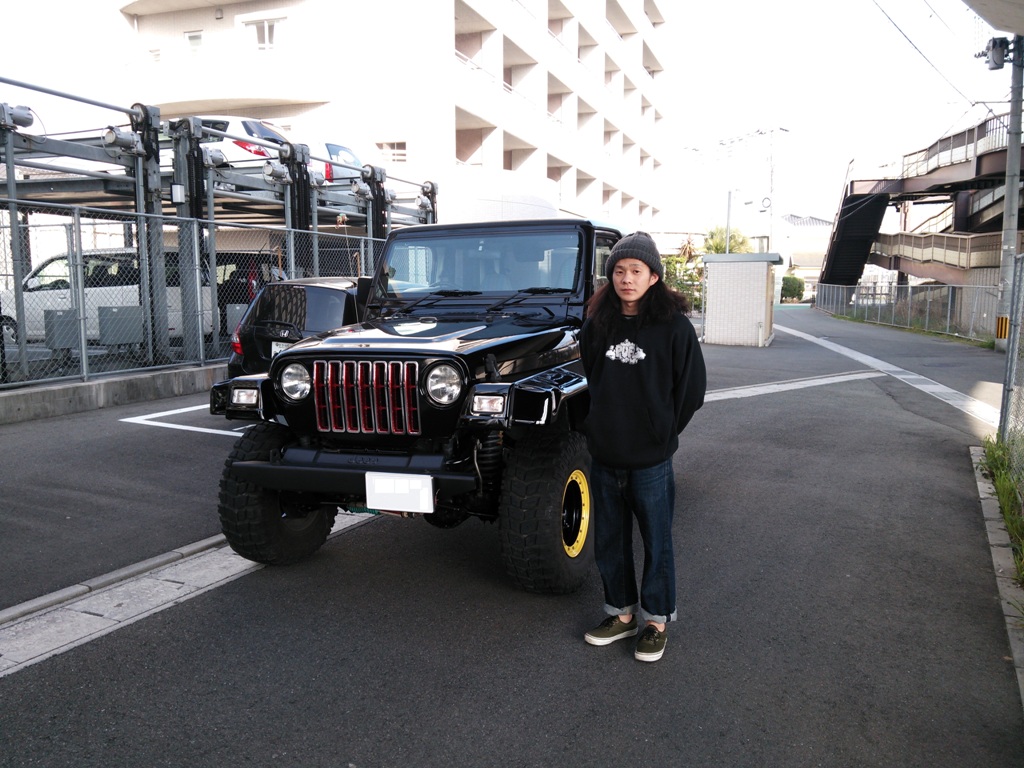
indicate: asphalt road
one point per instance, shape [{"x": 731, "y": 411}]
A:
[{"x": 837, "y": 599}]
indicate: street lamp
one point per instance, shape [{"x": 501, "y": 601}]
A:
[
  {"x": 728, "y": 223},
  {"x": 766, "y": 201}
]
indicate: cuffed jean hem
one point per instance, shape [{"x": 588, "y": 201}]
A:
[
  {"x": 637, "y": 610},
  {"x": 611, "y": 610},
  {"x": 657, "y": 618}
]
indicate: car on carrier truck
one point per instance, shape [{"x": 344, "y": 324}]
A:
[{"x": 459, "y": 394}]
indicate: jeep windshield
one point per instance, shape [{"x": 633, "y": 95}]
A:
[{"x": 477, "y": 267}]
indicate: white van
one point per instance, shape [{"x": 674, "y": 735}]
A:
[{"x": 112, "y": 278}]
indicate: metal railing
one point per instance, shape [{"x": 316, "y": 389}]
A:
[
  {"x": 959, "y": 251},
  {"x": 968, "y": 311},
  {"x": 101, "y": 292},
  {"x": 988, "y": 135}
]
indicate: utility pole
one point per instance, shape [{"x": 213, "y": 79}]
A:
[
  {"x": 997, "y": 49},
  {"x": 1010, "y": 269}
]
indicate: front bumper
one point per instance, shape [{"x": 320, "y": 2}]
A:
[{"x": 344, "y": 474}]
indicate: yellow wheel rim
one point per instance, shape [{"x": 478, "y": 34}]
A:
[{"x": 575, "y": 513}]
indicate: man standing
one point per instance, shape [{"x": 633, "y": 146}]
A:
[{"x": 646, "y": 377}]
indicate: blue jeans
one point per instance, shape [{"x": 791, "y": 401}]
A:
[{"x": 619, "y": 496}]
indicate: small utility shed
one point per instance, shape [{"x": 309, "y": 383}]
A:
[{"x": 740, "y": 298}]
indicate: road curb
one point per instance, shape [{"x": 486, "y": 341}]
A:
[
  {"x": 99, "y": 582},
  {"x": 64, "y": 398},
  {"x": 67, "y": 594},
  {"x": 1011, "y": 595}
]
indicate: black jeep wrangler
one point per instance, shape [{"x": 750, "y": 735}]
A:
[{"x": 460, "y": 394}]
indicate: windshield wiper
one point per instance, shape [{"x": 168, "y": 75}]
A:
[
  {"x": 525, "y": 293},
  {"x": 435, "y": 297}
]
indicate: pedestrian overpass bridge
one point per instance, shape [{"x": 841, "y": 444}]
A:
[{"x": 965, "y": 174}]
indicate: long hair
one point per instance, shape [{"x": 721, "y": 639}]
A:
[{"x": 658, "y": 305}]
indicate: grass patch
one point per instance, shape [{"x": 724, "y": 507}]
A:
[{"x": 996, "y": 466}]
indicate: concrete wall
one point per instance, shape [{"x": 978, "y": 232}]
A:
[{"x": 42, "y": 402}]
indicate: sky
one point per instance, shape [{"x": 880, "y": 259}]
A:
[
  {"x": 768, "y": 100},
  {"x": 81, "y": 47},
  {"x": 776, "y": 98}
]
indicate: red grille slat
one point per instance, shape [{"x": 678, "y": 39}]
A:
[
  {"x": 380, "y": 397},
  {"x": 411, "y": 401},
  {"x": 396, "y": 382},
  {"x": 337, "y": 412},
  {"x": 364, "y": 397},
  {"x": 365, "y": 394},
  {"x": 349, "y": 397},
  {"x": 321, "y": 396}
]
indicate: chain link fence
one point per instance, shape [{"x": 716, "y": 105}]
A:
[
  {"x": 91, "y": 291},
  {"x": 968, "y": 311},
  {"x": 1011, "y": 417}
]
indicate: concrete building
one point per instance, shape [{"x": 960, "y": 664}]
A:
[{"x": 515, "y": 107}]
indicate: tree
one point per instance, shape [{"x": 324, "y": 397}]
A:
[
  {"x": 792, "y": 288},
  {"x": 685, "y": 272},
  {"x": 714, "y": 241}
]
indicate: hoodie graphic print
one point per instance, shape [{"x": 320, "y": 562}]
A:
[{"x": 625, "y": 352}]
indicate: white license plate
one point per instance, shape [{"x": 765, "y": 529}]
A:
[
  {"x": 278, "y": 346},
  {"x": 400, "y": 493}
]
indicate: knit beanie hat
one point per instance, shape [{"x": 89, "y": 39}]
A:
[{"x": 638, "y": 245}]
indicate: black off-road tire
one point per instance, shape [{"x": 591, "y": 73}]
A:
[
  {"x": 265, "y": 525},
  {"x": 544, "y": 519}
]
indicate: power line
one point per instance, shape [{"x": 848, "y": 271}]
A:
[
  {"x": 937, "y": 16},
  {"x": 929, "y": 61}
]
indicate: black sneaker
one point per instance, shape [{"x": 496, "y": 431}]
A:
[
  {"x": 651, "y": 645},
  {"x": 610, "y": 630}
]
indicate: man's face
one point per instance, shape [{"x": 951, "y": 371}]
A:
[{"x": 631, "y": 279}]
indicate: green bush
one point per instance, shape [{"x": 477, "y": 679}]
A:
[{"x": 792, "y": 288}]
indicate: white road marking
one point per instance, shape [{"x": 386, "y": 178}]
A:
[
  {"x": 755, "y": 390},
  {"x": 47, "y": 633},
  {"x": 979, "y": 410},
  {"x": 151, "y": 421}
]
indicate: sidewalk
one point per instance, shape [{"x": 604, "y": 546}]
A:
[{"x": 44, "y": 401}]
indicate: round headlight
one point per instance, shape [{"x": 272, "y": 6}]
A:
[
  {"x": 444, "y": 384},
  {"x": 295, "y": 382}
]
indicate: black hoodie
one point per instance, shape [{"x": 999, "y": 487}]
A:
[{"x": 645, "y": 385}]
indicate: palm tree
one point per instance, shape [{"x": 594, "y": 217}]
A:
[{"x": 714, "y": 241}]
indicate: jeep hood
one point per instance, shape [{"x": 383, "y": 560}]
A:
[{"x": 525, "y": 342}]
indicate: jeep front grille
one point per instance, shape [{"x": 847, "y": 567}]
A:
[{"x": 366, "y": 397}]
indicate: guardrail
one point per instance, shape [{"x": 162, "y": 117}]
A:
[{"x": 968, "y": 311}]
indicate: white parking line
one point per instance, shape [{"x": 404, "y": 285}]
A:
[{"x": 151, "y": 421}]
